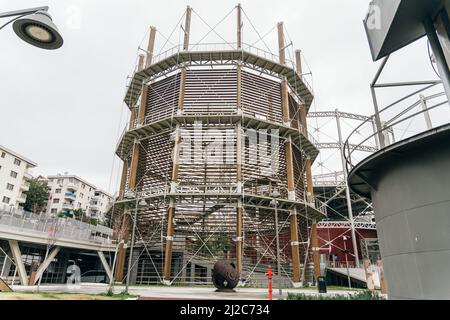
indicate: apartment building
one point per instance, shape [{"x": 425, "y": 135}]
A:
[
  {"x": 69, "y": 193},
  {"x": 14, "y": 177}
]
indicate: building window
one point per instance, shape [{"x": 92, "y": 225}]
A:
[
  {"x": 59, "y": 181},
  {"x": 17, "y": 162},
  {"x": 81, "y": 195},
  {"x": 10, "y": 186},
  {"x": 13, "y": 174},
  {"x": 3, "y": 154},
  {"x": 6, "y": 199},
  {"x": 83, "y": 185},
  {"x": 54, "y": 210},
  {"x": 57, "y": 190},
  {"x": 55, "y": 200}
]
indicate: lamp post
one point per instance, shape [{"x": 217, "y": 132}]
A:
[
  {"x": 138, "y": 202},
  {"x": 346, "y": 261},
  {"x": 35, "y": 26},
  {"x": 275, "y": 196}
]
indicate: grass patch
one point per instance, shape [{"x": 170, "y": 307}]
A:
[
  {"x": 362, "y": 295},
  {"x": 63, "y": 296}
]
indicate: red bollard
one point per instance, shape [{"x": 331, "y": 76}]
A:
[{"x": 269, "y": 275}]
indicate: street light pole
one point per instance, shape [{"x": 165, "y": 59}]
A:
[
  {"x": 346, "y": 261},
  {"x": 276, "y": 195},
  {"x": 130, "y": 258}
]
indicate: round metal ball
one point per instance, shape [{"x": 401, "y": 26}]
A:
[{"x": 225, "y": 275}]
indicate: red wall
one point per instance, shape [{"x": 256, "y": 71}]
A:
[{"x": 335, "y": 235}]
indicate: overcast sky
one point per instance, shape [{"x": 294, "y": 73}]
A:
[{"x": 63, "y": 109}]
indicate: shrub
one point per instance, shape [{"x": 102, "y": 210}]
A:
[{"x": 362, "y": 295}]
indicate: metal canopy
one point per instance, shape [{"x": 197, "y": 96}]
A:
[{"x": 391, "y": 25}]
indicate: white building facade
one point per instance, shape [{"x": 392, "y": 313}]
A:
[
  {"x": 69, "y": 193},
  {"x": 14, "y": 177}
]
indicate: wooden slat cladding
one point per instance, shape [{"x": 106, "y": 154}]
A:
[
  {"x": 210, "y": 91},
  {"x": 155, "y": 165},
  {"x": 209, "y": 164},
  {"x": 265, "y": 170},
  {"x": 261, "y": 97},
  {"x": 162, "y": 98}
]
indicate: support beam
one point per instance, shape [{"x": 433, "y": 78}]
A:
[
  {"x": 438, "y": 51},
  {"x": 169, "y": 243},
  {"x": 141, "y": 62},
  {"x": 105, "y": 264},
  {"x": 304, "y": 129},
  {"x": 121, "y": 251},
  {"x": 239, "y": 26},
  {"x": 143, "y": 105},
  {"x": 123, "y": 179},
  {"x": 134, "y": 167},
  {"x": 347, "y": 191},
  {"x": 175, "y": 168},
  {"x": 187, "y": 28},
  {"x": 281, "y": 46},
  {"x": 239, "y": 236},
  {"x": 44, "y": 265},
  {"x": 182, "y": 88},
  {"x": 295, "y": 247},
  {"x": 315, "y": 250},
  {"x": 298, "y": 62},
  {"x": 239, "y": 208},
  {"x": 17, "y": 256},
  {"x": 150, "y": 47}
]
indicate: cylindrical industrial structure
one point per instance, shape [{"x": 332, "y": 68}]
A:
[{"x": 215, "y": 132}]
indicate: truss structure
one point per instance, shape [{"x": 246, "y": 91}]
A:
[{"x": 213, "y": 133}]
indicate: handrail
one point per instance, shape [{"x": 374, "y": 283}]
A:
[{"x": 392, "y": 122}]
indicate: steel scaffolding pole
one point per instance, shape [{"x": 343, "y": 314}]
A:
[{"x": 347, "y": 191}]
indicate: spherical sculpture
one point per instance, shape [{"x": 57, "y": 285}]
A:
[{"x": 225, "y": 275}]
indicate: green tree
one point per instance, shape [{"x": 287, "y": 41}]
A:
[
  {"x": 37, "y": 196},
  {"x": 78, "y": 214}
]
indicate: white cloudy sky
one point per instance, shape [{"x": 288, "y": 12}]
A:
[{"x": 63, "y": 109}]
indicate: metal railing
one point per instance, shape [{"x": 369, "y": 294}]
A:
[
  {"x": 227, "y": 46},
  {"x": 53, "y": 227},
  {"x": 394, "y": 123}
]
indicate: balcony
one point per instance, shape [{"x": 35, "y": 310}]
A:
[
  {"x": 22, "y": 198},
  {"x": 27, "y": 176},
  {"x": 95, "y": 206},
  {"x": 70, "y": 196},
  {"x": 68, "y": 205},
  {"x": 25, "y": 186},
  {"x": 72, "y": 186}
]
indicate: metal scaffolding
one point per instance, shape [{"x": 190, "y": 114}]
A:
[{"x": 214, "y": 130}]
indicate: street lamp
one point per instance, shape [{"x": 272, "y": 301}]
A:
[
  {"x": 274, "y": 202},
  {"x": 35, "y": 26},
  {"x": 139, "y": 202}
]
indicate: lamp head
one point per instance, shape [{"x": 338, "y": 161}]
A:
[{"x": 39, "y": 30}]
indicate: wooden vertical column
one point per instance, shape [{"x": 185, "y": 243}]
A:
[
  {"x": 296, "y": 273},
  {"x": 239, "y": 26},
  {"x": 315, "y": 250},
  {"x": 139, "y": 112},
  {"x": 176, "y": 158},
  {"x": 150, "y": 47},
  {"x": 304, "y": 124},
  {"x": 187, "y": 28},
  {"x": 123, "y": 179}
]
